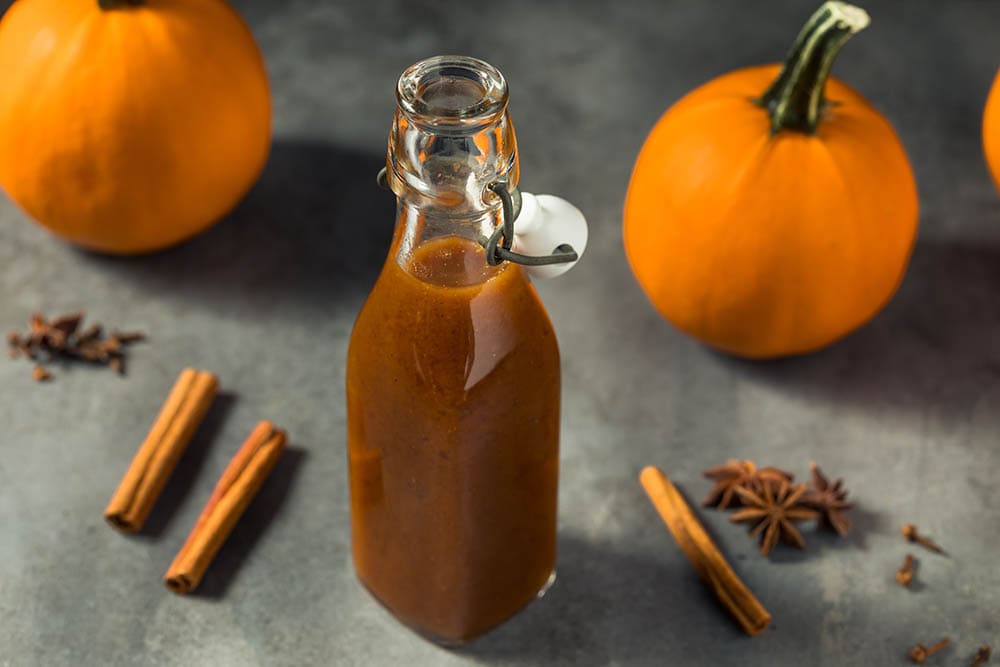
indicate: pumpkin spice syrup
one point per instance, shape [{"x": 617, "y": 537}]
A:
[{"x": 453, "y": 379}]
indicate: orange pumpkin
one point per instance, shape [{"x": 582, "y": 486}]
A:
[
  {"x": 765, "y": 220},
  {"x": 991, "y": 130},
  {"x": 127, "y": 126}
]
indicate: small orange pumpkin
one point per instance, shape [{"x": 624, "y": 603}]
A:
[
  {"x": 127, "y": 126},
  {"x": 773, "y": 224},
  {"x": 991, "y": 130}
]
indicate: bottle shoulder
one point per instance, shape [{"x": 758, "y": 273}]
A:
[{"x": 459, "y": 334}]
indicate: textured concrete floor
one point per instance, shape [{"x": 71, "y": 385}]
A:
[{"x": 907, "y": 409}]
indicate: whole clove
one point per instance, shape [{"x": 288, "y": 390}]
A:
[
  {"x": 904, "y": 575},
  {"x": 982, "y": 655},
  {"x": 920, "y": 653},
  {"x": 911, "y": 533}
]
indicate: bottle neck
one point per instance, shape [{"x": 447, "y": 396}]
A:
[
  {"x": 443, "y": 250},
  {"x": 417, "y": 223},
  {"x": 451, "y": 139}
]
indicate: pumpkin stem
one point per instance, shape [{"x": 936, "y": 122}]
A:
[
  {"x": 795, "y": 100},
  {"x": 117, "y": 4}
]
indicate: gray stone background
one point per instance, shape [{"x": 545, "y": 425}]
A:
[{"x": 905, "y": 409}]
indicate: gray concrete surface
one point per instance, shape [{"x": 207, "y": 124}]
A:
[{"x": 907, "y": 409}]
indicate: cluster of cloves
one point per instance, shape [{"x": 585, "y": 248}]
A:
[
  {"x": 904, "y": 577},
  {"x": 63, "y": 338}
]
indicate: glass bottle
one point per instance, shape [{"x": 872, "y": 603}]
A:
[{"x": 453, "y": 380}]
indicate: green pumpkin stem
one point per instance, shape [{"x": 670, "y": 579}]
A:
[
  {"x": 118, "y": 4},
  {"x": 795, "y": 101}
]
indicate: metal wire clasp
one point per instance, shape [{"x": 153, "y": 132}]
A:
[{"x": 498, "y": 245}]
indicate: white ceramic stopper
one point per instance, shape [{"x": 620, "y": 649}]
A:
[{"x": 545, "y": 223}]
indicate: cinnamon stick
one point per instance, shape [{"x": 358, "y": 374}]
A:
[
  {"x": 236, "y": 488},
  {"x": 159, "y": 453},
  {"x": 702, "y": 552}
]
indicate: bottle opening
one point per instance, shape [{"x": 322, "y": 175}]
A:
[{"x": 452, "y": 90}]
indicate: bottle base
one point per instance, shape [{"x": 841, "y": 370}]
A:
[{"x": 458, "y": 642}]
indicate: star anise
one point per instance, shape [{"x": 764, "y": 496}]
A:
[
  {"x": 830, "y": 500},
  {"x": 773, "y": 511},
  {"x": 734, "y": 473}
]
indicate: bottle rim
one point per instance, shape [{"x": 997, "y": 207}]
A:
[{"x": 449, "y": 90}]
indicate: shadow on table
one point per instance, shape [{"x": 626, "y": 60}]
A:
[
  {"x": 936, "y": 347},
  {"x": 608, "y": 606},
  {"x": 263, "y": 509},
  {"x": 182, "y": 479},
  {"x": 316, "y": 229}
]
